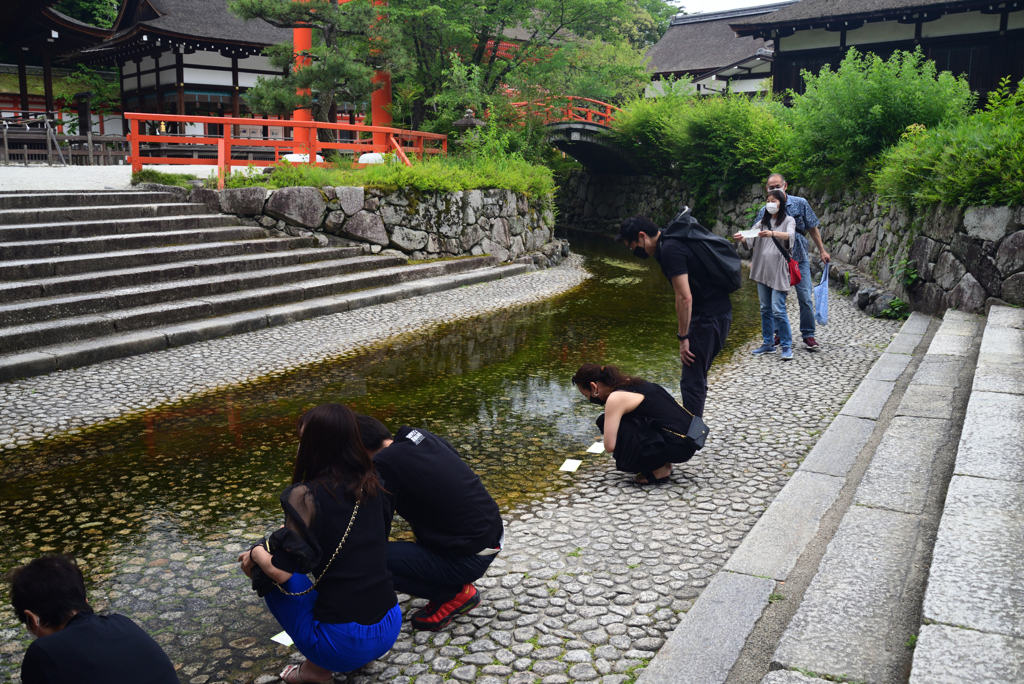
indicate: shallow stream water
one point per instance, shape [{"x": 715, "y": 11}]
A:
[{"x": 157, "y": 505}]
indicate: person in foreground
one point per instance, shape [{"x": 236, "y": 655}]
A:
[
  {"x": 644, "y": 427},
  {"x": 770, "y": 270},
  {"x": 703, "y": 307},
  {"x": 457, "y": 524},
  {"x": 74, "y": 644},
  {"x": 336, "y": 526}
]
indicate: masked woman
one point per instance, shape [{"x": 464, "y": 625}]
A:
[
  {"x": 335, "y": 527},
  {"x": 769, "y": 268},
  {"x": 644, "y": 426}
]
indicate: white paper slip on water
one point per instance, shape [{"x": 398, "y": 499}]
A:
[
  {"x": 596, "y": 448},
  {"x": 570, "y": 465},
  {"x": 283, "y": 638},
  {"x": 747, "y": 234}
]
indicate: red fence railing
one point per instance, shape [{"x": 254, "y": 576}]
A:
[
  {"x": 172, "y": 146},
  {"x": 571, "y": 108}
]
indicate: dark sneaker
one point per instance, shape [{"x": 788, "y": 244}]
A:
[
  {"x": 777, "y": 341},
  {"x": 437, "y": 616},
  {"x": 811, "y": 344}
]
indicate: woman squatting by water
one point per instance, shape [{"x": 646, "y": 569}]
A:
[
  {"x": 336, "y": 527},
  {"x": 644, "y": 427}
]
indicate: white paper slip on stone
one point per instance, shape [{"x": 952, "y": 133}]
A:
[
  {"x": 596, "y": 448},
  {"x": 283, "y": 638},
  {"x": 570, "y": 465}
]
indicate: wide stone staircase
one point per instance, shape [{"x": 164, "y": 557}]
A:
[
  {"x": 894, "y": 552},
  {"x": 87, "y": 277}
]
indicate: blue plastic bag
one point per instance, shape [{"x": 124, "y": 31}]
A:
[{"x": 821, "y": 298}]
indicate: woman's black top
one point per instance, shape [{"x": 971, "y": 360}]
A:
[
  {"x": 357, "y": 586},
  {"x": 659, "y": 406}
]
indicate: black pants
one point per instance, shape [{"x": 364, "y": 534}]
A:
[
  {"x": 438, "y": 577},
  {"x": 641, "y": 446},
  {"x": 707, "y": 338}
]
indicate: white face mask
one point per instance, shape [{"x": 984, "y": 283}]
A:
[{"x": 772, "y": 207}]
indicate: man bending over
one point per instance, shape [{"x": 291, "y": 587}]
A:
[{"x": 457, "y": 524}]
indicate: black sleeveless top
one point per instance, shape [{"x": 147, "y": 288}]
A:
[
  {"x": 357, "y": 585},
  {"x": 658, "y": 406}
]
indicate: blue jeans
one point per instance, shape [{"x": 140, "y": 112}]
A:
[
  {"x": 438, "y": 577},
  {"x": 338, "y": 647},
  {"x": 805, "y": 297},
  {"x": 773, "y": 316}
]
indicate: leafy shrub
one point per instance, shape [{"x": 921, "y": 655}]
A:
[
  {"x": 846, "y": 118},
  {"x": 153, "y": 176},
  {"x": 718, "y": 145},
  {"x": 976, "y": 161}
]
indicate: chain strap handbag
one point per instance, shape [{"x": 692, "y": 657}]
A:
[
  {"x": 696, "y": 434},
  {"x": 316, "y": 580}
]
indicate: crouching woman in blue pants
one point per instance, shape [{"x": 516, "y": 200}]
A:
[{"x": 336, "y": 528}]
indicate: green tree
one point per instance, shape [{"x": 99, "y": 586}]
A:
[
  {"x": 349, "y": 44},
  {"x": 846, "y": 118},
  {"x": 100, "y": 13}
]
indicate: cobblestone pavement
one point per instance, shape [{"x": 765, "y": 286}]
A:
[
  {"x": 39, "y": 407},
  {"x": 593, "y": 580}
]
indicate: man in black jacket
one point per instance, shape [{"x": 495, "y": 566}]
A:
[
  {"x": 457, "y": 524},
  {"x": 73, "y": 644},
  {"x": 703, "y": 308}
]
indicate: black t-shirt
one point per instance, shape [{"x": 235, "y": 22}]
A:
[
  {"x": 97, "y": 649},
  {"x": 444, "y": 501},
  {"x": 676, "y": 258},
  {"x": 659, "y": 406},
  {"x": 356, "y": 586}
]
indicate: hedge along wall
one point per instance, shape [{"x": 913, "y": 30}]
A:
[
  {"x": 421, "y": 225},
  {"x": 963, "y": 259}
]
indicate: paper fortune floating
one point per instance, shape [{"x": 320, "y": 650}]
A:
[
  {"x": 282, "y": 638},
  {"x": 596, "y": 448},
  {"x": 570, "y": 465}
]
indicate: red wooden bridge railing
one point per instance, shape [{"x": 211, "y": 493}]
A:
[
  {"x": 401, "y": 142},
  {"x": 570, "y": 108}
]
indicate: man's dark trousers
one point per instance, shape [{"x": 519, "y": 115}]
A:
[
  {"x": 418, "y": 571},
  {"x": 707, "y": 338}
]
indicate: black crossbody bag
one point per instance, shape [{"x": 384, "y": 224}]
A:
[{"x": 697, "y": 432}]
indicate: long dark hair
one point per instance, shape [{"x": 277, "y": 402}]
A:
[
  {"x": 766, "y": 220},
  {"x": 331, "y": 452},
  {"x": 609, "y": 375}
]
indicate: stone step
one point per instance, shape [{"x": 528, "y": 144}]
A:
[
  {"x": 43, "y": 249},
  {"x": 226, "y": 297},
  {"x": 24, "y": 269},
  {"x": 863, "y": 604},
  {"x": 64, "y": 285},
  {"x": 28, "y": 311},
  {"x": 974, "y": 604},
  {"x": 407, "y": 281},
  {"x": 64, "y": 230},
  {"x": 28, "y": 200},
  {"x": 13, "y": 217}
]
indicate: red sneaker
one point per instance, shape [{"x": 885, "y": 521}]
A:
[
  {"x": 437, "y": 616},
  {"x": 777, "y": 341},
  {"x": 811, "y": 344}
]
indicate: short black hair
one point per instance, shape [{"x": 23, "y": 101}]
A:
[
  {"x": 634, "y": 225},
  {"x": 52, "y": 587},
  {"x": 372, "y": 431}
]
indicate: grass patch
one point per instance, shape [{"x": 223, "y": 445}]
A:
[
  {"x": 151, "y": 176},
  {"x": 435, "y": 174},
  {"x": 775, "y": 598}
]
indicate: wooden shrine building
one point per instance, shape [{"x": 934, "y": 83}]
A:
[{"x": 982, "y": 40}]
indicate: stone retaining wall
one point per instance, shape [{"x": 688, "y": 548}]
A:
[
  {"x": 501, "y": 223},
  {"x": 965, "y": 260}
]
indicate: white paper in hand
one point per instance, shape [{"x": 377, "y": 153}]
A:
[
  {"x": 596, "y": 448},
  {"x": 752, "y": 233},
  {"x": 283, "y": 638},
  {"x": 570, "y": 465}
]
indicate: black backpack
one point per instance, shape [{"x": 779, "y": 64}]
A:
[{"x": 717, "y": 253}]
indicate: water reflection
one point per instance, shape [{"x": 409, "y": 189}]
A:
[{"x": 155, "y": 504}]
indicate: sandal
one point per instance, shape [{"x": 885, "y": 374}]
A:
[
  {"x": 650, "y": 479},
  {"x": 294, "y": 671}
]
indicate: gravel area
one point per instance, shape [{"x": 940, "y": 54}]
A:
[
  {"x": 46, "y": 178},
  {"x": 42, "y": 406}
]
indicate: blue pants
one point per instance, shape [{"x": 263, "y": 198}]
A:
[
  {"x": 338, "y": 647},
  {"x": 438, "y": 577},
  {"x": 805, "y": 297},
  {"x": 773, "y": 316}
]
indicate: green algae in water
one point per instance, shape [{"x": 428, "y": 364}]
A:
[{"x": 157, "y": 506}]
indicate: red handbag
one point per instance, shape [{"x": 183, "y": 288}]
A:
[{"x": 794, "y": 268}]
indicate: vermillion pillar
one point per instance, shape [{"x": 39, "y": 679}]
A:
[
  {"x": 302, "y": 40},
  {"x": 380, "y": 99}
]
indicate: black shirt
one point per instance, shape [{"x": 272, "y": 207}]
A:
[
  {"x": 97, "y": 649},
  {"x": 357, "y": 585},
  {"x": 444, "y": 501},
  {"x": 660, "y": 406},
  {"x": 677, "y": 258}
]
